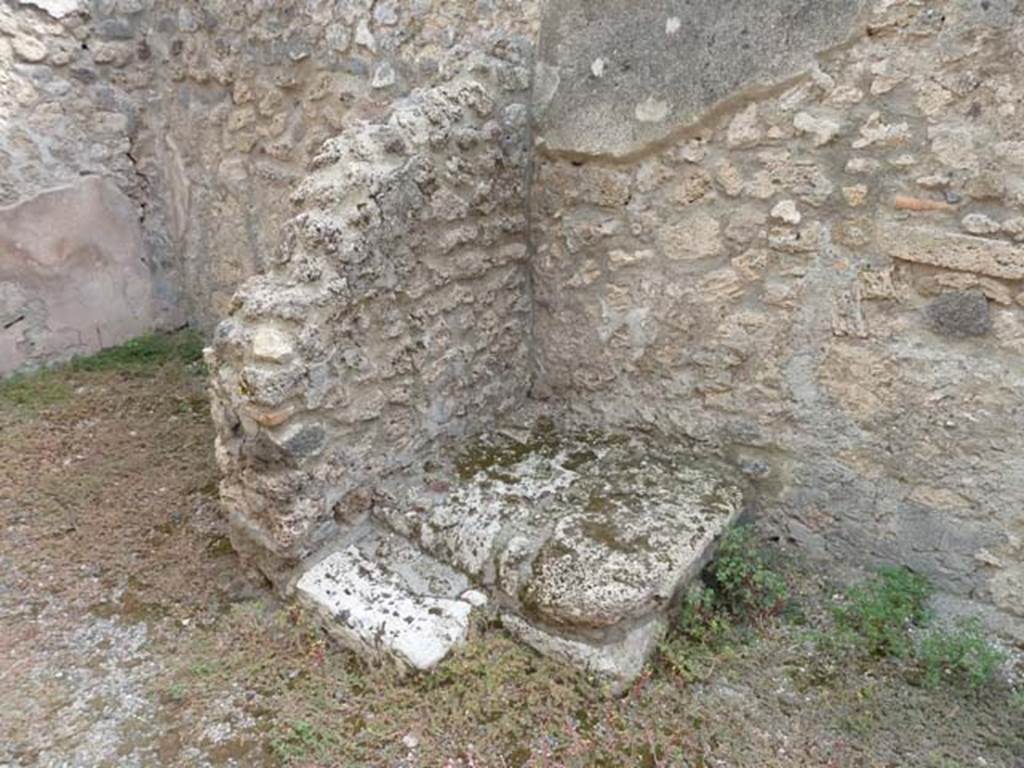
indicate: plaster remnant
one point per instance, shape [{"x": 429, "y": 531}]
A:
[
  {"x": 652, "y": 110},
  {"x": 710, "y": 58},
  {"x": 76, "y": 287}
]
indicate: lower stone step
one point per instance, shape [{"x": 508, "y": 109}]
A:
[
  {"x": 614, "y": 661},
  {"x": 405, "y": 614}
]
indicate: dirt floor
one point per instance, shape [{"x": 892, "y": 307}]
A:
[{"x": 130, "y": 636}]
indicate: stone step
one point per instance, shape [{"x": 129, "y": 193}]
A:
[
  {"x": 583, "y": 539},
  {"x": 380, "y": 596}
]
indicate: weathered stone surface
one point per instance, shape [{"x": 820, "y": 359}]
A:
[
  {"x": 965, "y": 253},
  {"x": 616, "y": 663},
  {"x": 807, "y": 345},
  {"x": 28, "y": 49},
  {"x": 418, "y": 572},
  {"x": 73, "y": 279},
  {"x": 583, "y": 539},
  {"x": 372, "y": 611},
  {"x": 614, "y": 77},
  {"x": 960, "y": 313},
  {"x": 348, "y": 335},
  {"x": 421, "y": 290},
  {"x": 579, "y": 530},
  {"x": 687, "y": 257}
]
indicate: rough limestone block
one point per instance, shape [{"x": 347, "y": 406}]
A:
[
  {"x": 618, "y": 663},
  {"x": 585, "y": 535},
  {"x": 370, "y": 610},
  {"x": 950, "y": 250}
]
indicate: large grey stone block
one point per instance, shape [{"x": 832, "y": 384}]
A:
[{"x": 615, "y": 76}]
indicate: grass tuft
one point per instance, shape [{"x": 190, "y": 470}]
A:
[
  {"x": 32, "y": 392},
  {"x": 151, "y": 350}
]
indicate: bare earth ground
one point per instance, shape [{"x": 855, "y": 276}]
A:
[{"x": 129, "y": 636}]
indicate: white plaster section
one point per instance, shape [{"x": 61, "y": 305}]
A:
[
  {"x": 57, "y": 9},
  {"x": 73, "y": 277},
  {"x": 652, "y": 110},
  {"x": 370, "y": 610}
]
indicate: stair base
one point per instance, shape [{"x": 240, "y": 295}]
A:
[{"x": 378, "y": 600}]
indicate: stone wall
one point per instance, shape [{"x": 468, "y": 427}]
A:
[
  {"x": 250, "y": 91},
  {"x": 72, "y": 87},
  {"x": 821, "y": 275},
  {"x": 790, "y": 229},
  {"x": 206, "y": 115},
  {"x": 96, "y": 268},
  {"x": 396, "y": 312}
]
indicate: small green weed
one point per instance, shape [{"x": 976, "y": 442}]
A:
[
  {"x": 745, "y": 583},
  {"x": 742, "y": 589},
  {"x": 1017, "y": 699},
  {"x": 204, "y": 669},
  {"x": 876, "y": 615},
  {"x": 177, "y": 692},
  {"x": 961, "y": 655},
  {"x": 699, "y": 636},
  {"x": 877, "y": 620},
  {"x": 301, "y": 741},
  {"x": 701, "y": 618}
]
